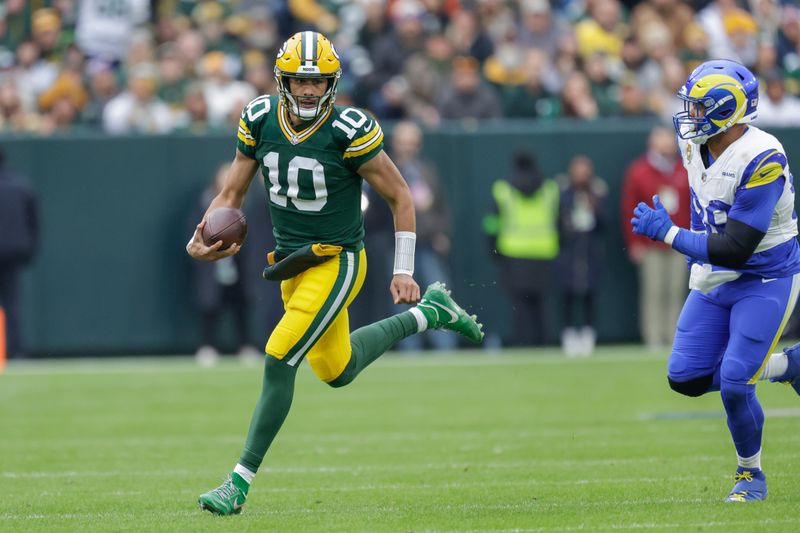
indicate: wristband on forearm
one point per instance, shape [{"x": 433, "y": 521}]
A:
[{"x": 404, "y": 244}]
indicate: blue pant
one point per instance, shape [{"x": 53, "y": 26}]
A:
[{"x": 722, "y": 342}]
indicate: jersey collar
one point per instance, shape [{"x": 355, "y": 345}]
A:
[{"x": 289, "y": 132}]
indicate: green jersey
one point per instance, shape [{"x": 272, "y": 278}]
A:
[{"x": 310, "y": 175}]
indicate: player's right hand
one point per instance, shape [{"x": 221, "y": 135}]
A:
[{"x": 197, "y": 249}]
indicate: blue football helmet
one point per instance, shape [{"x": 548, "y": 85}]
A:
[
  {"x": 714, "y": 100},
  {"x": 748, "y": 79}
]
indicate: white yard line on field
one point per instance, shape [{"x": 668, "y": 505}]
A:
[
  {"x": 733, "y": 525},
  {"x": 395, "y": 467},
  {"x": 155, "y": 365}
]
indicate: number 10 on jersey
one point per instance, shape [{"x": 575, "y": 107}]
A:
[{"x": 296, "y": 190}]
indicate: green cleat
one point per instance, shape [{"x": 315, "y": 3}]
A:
[
  {"x": 444, "y": 313},
  {"x": 226, "y": 499}
]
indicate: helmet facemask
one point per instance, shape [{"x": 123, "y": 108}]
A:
[
  {"x": 291, "y": 101},
  {"x": 720, "y": 111}
]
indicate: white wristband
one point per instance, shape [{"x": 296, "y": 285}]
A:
[
  {"x": 671, "y": 234},
  {"x": 404, "y": 244}
]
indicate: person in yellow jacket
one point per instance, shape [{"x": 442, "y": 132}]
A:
[{"x": 522, "y": 227}]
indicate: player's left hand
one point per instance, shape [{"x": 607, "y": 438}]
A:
[
  {"x": 653, "y": 223},
  {"x": 404, "y": 289}
]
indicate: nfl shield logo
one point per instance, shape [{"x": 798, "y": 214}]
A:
[{"x": 703, "y": 177}]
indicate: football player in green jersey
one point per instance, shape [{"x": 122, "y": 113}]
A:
[{"x": 314, "y": 155}]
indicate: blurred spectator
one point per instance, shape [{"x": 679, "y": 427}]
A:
[
  {"x": 696, "y": 49},
  {"x": 210, "y": 20},
  {"x": 604, "y": 90},
  {"x": 496, "y": 16},
  {"x": 46, "y": 31},
  {"x": 775, "y": 107},
  {"x": 603, "y": 32},
  {"x": 711, "y": 19},
  {"x": 674, "y": 14},
  {"x": 31, "y": 74},
  {"x": 662, "y": 99},
  {"x": 389, "y": 54},
  {"x": 105, "y": 29},
  {"x": 433, "y": 235},
  {"x": 219, "y": 287},
  {"x": 138, "y": 110},
  {"x": 581, "y": 223},
  {"x": 427, "y": 72},
  {"x": 538, "y": 29},
  {"x": 468, "y": 37},
  {"x": 636, "y": 63},
  {"x": 15, "y": 22},
  {"x": 433, "y": 223},
  {"x": 564, "y": 64},
  {"x": 766, "y": 58},
  {"x": 172, "y": 77},
  {"x": 13, "y": 116},
  {"x": 102, "y": 88},
  {"x": 742, "y": 33},
  {"x": 662, "y": 273},
  {"x": 195, "y": 114},
  {"x": 504, "y": 67},
  {"x": 522, "y": 227},
  {"x": 319, "y": 14},
  {"x": 531, "y": 98},
  {"x": 19, "y": 218},
  {"x": 633, "y": 102},
  {"x": 223, "y": 93},
  {"x": 191, "y": 47},
  {"x": 466, "y": 96},
  {"x": 258, "y": 73},
  {"x": 576, "y": 98},
  {"x": 62, "y": 103}
]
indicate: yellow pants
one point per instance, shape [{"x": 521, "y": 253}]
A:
[{"x": 315, "y": 323}]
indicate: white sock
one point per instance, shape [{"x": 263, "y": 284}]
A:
[
  {"x": 422, "y": 322},
  {"x": 753, "y": 462},
  {"x": 246, "y": 474},
  {"x": 777, "y": 365}
]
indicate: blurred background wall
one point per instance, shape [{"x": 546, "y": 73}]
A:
[{"x": 112, "y": 275}]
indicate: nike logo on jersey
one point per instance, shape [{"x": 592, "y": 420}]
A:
[
  {"x": 767, "y": 280},
  {"x": 368, "y": 128},
  {"x": 453, "y": 316}
]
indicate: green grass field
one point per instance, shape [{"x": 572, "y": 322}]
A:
[{"x": 469, "y": 442}]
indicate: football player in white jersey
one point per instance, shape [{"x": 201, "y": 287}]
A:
[{"x": 744, "y": 257}]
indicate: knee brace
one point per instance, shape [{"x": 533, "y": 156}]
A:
[{"x": 694, "y": 387}]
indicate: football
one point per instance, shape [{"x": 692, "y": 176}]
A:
[{"x": 226, "y": 224}]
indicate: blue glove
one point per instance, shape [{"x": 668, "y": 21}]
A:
[{"x": 653, "y": 223}]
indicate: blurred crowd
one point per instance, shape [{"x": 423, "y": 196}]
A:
[{"x": 156, "y": 66}]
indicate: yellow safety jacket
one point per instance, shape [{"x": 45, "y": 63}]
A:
[{"x": 526, "y": 226}]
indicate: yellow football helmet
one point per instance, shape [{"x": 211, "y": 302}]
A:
[{"x": 307, "y": 54}]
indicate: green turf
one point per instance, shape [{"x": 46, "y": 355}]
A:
[{"x": 516, "y": 442}]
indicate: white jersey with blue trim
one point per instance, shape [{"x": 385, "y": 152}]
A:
[{"x": 755, "y": 159}]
